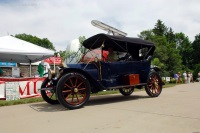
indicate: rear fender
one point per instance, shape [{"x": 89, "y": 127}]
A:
[{"x": 156, "y": 69}]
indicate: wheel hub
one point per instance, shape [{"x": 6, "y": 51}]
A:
[
  {"x": 155, "y": 84},
  {"x": 75, "y": 90}
]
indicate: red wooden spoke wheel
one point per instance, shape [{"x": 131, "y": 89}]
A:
[
  {"x": 126, "y": 91},
  {"x": 154, "y": 84},
  {"x": 73, "y": 90}
]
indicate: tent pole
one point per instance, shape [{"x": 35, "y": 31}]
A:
[
  {"x": 54, "y": 64},
  {"x": 30, "y": 68}
]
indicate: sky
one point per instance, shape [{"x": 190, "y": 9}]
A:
[{"x": 62, "y": 21}]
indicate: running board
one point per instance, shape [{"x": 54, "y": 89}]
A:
[{"x": 127, "y": 86}]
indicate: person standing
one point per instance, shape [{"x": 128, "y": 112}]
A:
[
  {"x": 176, "y": 76},
  {"x": 179, "y": 78},
  {"x": 199, "y": 76},
  {"x": 185, "y": 77},
  {"x": 41, "y": 69},
  {"x": 112, "y": 56},
  {"x": 191, "y": 78},
  {"x": 46, "y": 67},
  {"x": 188, "y": 77}
]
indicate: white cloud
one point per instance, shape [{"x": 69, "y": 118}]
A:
[{"x": 64, "y": 20}]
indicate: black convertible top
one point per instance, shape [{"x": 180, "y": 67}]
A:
[{"x": 118, "y": 43}]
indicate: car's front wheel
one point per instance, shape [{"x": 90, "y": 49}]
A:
[
  {"x": 73, "y": 90},
  {"x": 154, "y": 84},
  {"x": 49, "y": 94},
  {"x": 126, "y": 91}
]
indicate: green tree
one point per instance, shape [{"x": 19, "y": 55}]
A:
[
  {"x": 170, "y": 36},
  {"x": 147, "y": 35},
  {"x": 196, "y": 71},
  {"x": 160, "y": 29},
  {"x": 165, "y": 52},
  {"x": 196, "y": 47},
  {"x": 62, "y": 54},
  {"x": 156, "y": 62},
  {"x": 161, "y": 49},
  {"x": 184, "y": 45},
  {"x": 81, "y": 40},
  {"x": 37, "y": 41}
]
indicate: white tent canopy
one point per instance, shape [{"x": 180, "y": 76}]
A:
[{"x": 16, "y": 50}]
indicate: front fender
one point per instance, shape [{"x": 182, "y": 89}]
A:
[{"x": 95, "y": 85}]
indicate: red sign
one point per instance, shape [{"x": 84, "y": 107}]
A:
[
  {"x": 28, "y": 87},
  {"x": 52, "y": 59}
]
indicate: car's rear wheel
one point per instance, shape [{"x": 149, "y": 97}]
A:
[
  {"x": 126, "y": 91},
  {"x": 154, "y": 84},
  {"x": 48, "y": 95},
  {"x": 73, "y": 90}
]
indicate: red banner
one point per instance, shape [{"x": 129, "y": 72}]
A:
[
  {"x": 28, "y": 87},
  {"x": 52, "y": 59}
]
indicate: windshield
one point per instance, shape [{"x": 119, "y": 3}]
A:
[
  {"x": 94, "y": 55},
  {"x": 89, "y": 56}
]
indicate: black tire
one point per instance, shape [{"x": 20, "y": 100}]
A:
[
  {"x": 73, "y": 90},
  {"x": 126, "y": 91},
  {"x": 154, "y": 84},
  {"x": 48, "y": 95}
]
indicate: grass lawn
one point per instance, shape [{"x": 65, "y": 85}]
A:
[{"x": 33, "y": 100}]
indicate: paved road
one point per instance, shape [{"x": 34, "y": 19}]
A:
[{"x": 176, "y": 110}]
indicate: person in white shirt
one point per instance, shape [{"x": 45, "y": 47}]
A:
[
  {"x": 198, "y": 76},
  {"x": 188, "y": 77},
  {"x": 185, "y": 77}
]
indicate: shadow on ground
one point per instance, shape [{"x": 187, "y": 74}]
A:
[
  {"x": 45, "y": 107},
  {"x": 94, "y": 100},
  {"x": 109, "y": 99}
]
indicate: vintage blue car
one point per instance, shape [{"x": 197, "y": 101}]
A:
[{"x": 71, "y": 86}]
